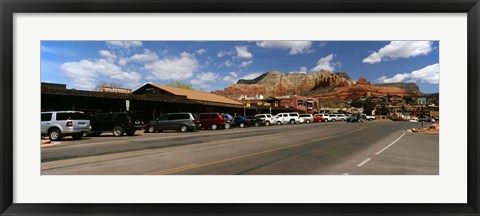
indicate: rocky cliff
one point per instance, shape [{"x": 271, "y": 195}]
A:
[{"x": 324, "y": 85}]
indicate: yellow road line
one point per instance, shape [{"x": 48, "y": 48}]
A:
[
  {"x": 184, "y": 168},
  {"x": 177, "y": 169}
]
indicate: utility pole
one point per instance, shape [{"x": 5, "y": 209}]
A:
[
  {"x": 244, "y": 107},
  {"x": 421, "y": 101}
]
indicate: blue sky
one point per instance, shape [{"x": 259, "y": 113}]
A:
[{"x": 214, "y": 65}]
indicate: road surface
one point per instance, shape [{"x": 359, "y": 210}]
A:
[{"x": 333, "y": 148}]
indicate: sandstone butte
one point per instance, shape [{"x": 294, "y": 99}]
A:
[
  {"x": 324, "y": 85},
  {"x": 362, "y": 89}
]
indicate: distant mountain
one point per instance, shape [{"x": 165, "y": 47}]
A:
[
  {"x": 324, "y": 85},
  {"x": 407, "y": 86}
]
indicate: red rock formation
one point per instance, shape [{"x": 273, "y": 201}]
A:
[{"x": 323, "y": 85}]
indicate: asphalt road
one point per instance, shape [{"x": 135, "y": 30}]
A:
[{"x": 339, "y": 148}]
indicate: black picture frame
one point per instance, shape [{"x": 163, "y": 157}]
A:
[{"x": 9, "y": 7}]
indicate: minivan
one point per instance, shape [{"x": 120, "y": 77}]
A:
[
  {"x": 211, "y": 120},
  {"x": 174, "y": 121}
]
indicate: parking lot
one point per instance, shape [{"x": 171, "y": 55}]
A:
[{"x": 331, "y": 148}]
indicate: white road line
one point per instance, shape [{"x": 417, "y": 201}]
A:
[
  {"x": 390, "y": 144},
  {"x": 364, "y": 162}
]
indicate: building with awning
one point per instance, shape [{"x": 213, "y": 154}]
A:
[
  {"x": 149, "y": 101},
  {"x": 197, "y": 96}
]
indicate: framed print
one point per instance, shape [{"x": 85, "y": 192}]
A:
[{"x": 210, "y": 107}]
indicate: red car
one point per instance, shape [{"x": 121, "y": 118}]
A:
[
  {"x": 211, "y": 120},
  {"x": 318, "y": 118}
]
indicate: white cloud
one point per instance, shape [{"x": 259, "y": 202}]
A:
[
  {"x": 85, "y": 73},
  {"x": 225, "y": 53},
  {"x": 203, "y": 78},
  {"x": 295, "y": 47},
  {"x": 124, "y": 44},
  {"x": 429, "y": 74},
  {"x": 232, "y": 77},
  {"x": 207, "y": 77},
  {"x": 147, "y": 56},
  {"x": 242, "y": 52},
  {"x": 201, "y": 51},
  {"x": 326, "y": 63},
  {"x": 251, "y": 75},
  {"x": 303, "y": 70},
  {"x": 150, "y": 77},
  {"x": 400, "y": 49},
  {"x": 110, "y": 56},
  {"x": 245, "y": 64},
  {"x": 174, "y": 68},
  {"x": 228, "y": 63}
]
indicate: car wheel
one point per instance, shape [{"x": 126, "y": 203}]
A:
[
  {"x": 77, "y": 136},
  {"x": 292, "y": 121},
  {"x": 242, "y": 125},
  {"x": 131, "y": 133},
  {"x": 267, "y": 123},
  {"x": 55, "y": 134},
  {"x": 308, "y": 121},
  {"x": 151, "y": 129},
  {"x": 184, "y": 128},
  {"x": 279, "y": 123},
  {"x": 227, "y": 125},
  {"x": 257, "y": 124},
  {"x": 214, "y": 127},
  {"x": 118, "y": 131}
]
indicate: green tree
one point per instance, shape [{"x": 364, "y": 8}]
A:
[
  {"x": 383, "y": 110},
  {"x": 178, "y": 84},
  {"x": 368, "y": 107}
]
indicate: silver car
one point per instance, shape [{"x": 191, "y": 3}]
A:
[
  {"x": 307, "y": 118},
  {"x": 58, "y": 124}
]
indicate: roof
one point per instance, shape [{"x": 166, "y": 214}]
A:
[
  {"x": 80, "y": 93},
  {"x": 197, "y": 95}
]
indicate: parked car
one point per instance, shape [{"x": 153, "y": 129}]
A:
[
  {"x": 340, "y": 117},
  {"x": 330, "y": 117},
  {"x": 211, "y": 120},
  {"x": 269, "y": 119},
  {"x": 287, "y": 118},
  {"x": 307, "y": 118},
  {"x": 324, "y": 117},
  {"x": 255, "y": 121},
  {"x": 356, "y": 118},
  {"x": 174, "y": 121},
  {"x": 368, "y": 117},
  {"x": 241, "y": 121},
  {"x": 318, "y": 118},
  {"x": 228, "y": 120},
  {"x": 116, "y": 122},
  {"x": 59, "y": 124}
]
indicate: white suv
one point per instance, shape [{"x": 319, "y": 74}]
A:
[
  {"x": 330, "y": 117},
  {"x": 341, "y": 117},
  {"x": 64, "y": 123},
  {"x": 268, "y": 118},
  {"x": 285, "y": 118}
]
